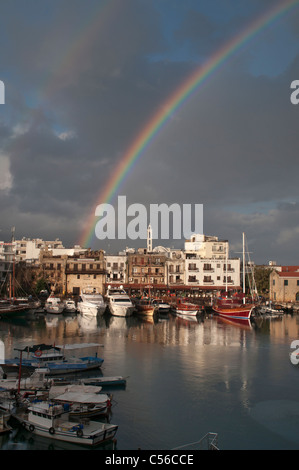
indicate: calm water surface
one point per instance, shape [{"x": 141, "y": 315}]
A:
[{"x": 184, "y": 378}]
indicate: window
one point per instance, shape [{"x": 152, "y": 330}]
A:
[{"x": 285, "y": 282}]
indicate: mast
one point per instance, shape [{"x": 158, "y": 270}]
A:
[{"x": 244, "y": 267}]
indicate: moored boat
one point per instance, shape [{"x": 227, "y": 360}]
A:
[
  {"x": 185, "y": 307},
  {"x": 70, "y": 306},
  {"x": 119, "y": 302},
  {"x": 163, "y": 307},
  {"x": 54, "y": 305},
  {"x": 53, "y": 421},
  {"x": 91, "y": 302},
  {"x": 53, "y": 359},
  {"x": 146, "y": 307}
]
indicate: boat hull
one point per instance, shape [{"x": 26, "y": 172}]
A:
[
  {"x": 107, "y": 433},
  {"x": 234, "y": 312},
  {"x": 146, "y": 310},
  {"x": 121, "y": 311},
  {"x": 91, "y": 309},
  {"x": 186, "y": 312}
]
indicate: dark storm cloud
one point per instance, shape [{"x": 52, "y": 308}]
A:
[{"x": 73, "y": 112}]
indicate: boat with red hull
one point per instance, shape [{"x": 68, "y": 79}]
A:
[{"x": 237, "y": 312}]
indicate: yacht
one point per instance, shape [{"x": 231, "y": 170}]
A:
[
  {"x": 119, "y": 302},
  {"x": 91, "y": 302}
]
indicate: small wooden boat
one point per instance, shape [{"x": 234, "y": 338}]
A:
[
  {"x": 184, "y": 307},
  {"x": 146, "y": 307},
  {"x": 105, "y": 381}
]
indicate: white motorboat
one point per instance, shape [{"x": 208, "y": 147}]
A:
[
  {"x": 53, "y": 421},
  {"x": 163, "y": 307},
  {"x": 119, "y": 302},
  {"x": 54, "y": 305},
  {"x": 91, "y": 302},
  {"x": 70, "y": 306},
  {"x": 271, "y": 310}
]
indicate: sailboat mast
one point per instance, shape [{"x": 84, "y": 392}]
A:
[{"x": 244, "y": 267}]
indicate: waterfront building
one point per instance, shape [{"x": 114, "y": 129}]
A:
[
  {"x": 206, "y": 246},
  {"x": 284, "y": 284},
  {"x": 208, "y": 266},
  {"x": 175, "y": 269},
  {"x": 28, "y": 249},
  {"x": 116, "y": 269},
  {"x": 85, "y": 270},
  {"x": 146, "y": 271}
]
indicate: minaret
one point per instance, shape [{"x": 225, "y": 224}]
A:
[{"x": 149, "y": 239}]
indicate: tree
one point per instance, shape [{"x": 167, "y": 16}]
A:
[
  {"x": 41, "y": 284},
  {"x": 262, "y": 278}
]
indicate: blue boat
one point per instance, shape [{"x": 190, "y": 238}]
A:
[{"x": 53, "y": 359}]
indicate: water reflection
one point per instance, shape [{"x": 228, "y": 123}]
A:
[{"x": 219, "y": 370}]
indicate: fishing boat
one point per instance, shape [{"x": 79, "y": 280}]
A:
[
  {"x": 119, "y": 302},
  {"x": 53, "y": 359},
  {"x": 54, "y": 305},
  {"x": 146, "y": 307},
  {"x": 91, "y": 302},
  {"x": 53, "y": 421},
  {"x": 184, "y": 307}
]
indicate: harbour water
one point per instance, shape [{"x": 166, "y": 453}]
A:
[{"x": 184, "y": 378}]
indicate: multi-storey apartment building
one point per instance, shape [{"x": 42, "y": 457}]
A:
[
  {"x": 207, "y": 265},
  {"x": 116, "y": 267},
  {"x": 29, "y": 249},
  {"x": 175, "y": 269},
  {"x": 146, "y": 270}
]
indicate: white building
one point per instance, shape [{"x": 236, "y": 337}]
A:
[
  {"x": 29, "y": 249},
  {"x": 206, "y": 246},
  {"x": 175, "y": 268},
  {"x": 207, "y": 264},
  {"x": 116, "y": 269}
]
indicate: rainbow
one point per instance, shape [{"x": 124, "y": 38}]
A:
[{"x": 173, "y": 103}]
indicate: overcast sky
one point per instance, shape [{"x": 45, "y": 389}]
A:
[{"x": 82, "y": 79}]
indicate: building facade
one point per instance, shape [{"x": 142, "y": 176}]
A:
[
  {"x": 116, "y": 269},
  {"x": 284, "y": 284}
]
